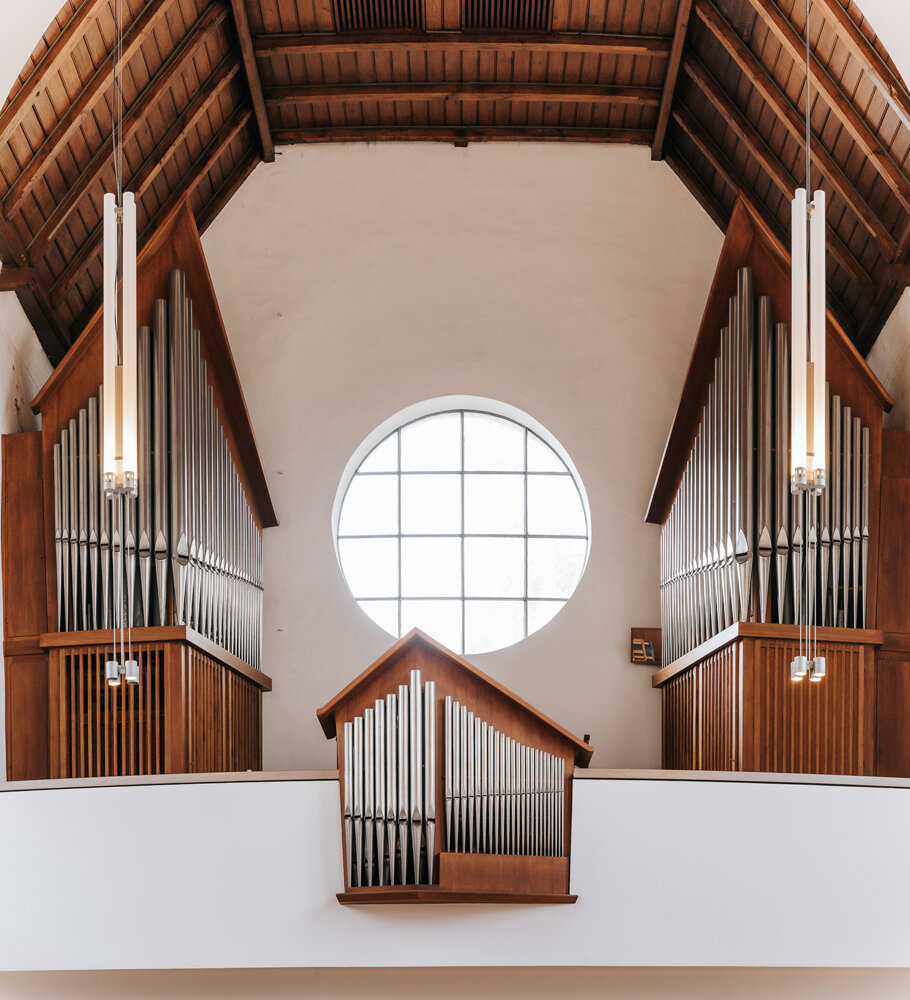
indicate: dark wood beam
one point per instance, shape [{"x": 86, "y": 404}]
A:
[
  {"x": 203, "y": 163},
  {"x": 683, "y": 13},
  {"x": 719, "y": 161},
  {"x": 837, "y": 100},
  {"x": 12, "y": 278},
  {"x": 134, "y": 36},
  {"x": 453, "y": 133},
  {"x": 551, "y": 92},
  {"x": 476, "y": 41},
  {"x": 253, "y": 81},
  {"x": 72, "y": 35},
  {"x": 785, "y": 111},
  {"x": 743, "y": 129},
  {"x": 134, "y": 118},
  {"x": 885, "y": 79},
  {"x": 698, "y": 189},
  {"x": 226, "y": 190}
]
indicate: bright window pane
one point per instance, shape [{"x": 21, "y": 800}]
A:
[
  {"x": 370, "y": 506},
  {"x": 541, "y": 612},
  {"x": 494, "y": 505},
  {"x": 541, "y": 457},
  {"x": 370, "y": 566},
  {"x": 384, "y": 613},
  {"x": 430, "y": 505},
  {"x": 431, "y": 567},
  {"x": 383, "y": 458},
  {"x": 493, "y": 444},
  {"x": 554, "y": 566},
  {"x": 432, "y": 444},
  {"x": 494, "y": 567},
  {"x": 554, "y": 506},
  {"x": 440, "y": 619},
  {"x": 492, "y": 624}
]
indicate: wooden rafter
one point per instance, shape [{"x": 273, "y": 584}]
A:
[
  {"x": 134, "y": 36},
  {"x": 226, "y": 190},
  {"x": 720, "y": 162},
  {"x": 253, "y": 81},
  {"x": 71, "y": 36},
  {"x": 683, "y": 13},
  {"x": 839, "y": 103},
  {"x": 199, "y": 168},
  {"x": 134, "y": 119},
  {"x": 786, "y": 113},
  {"x": 743, "y": 129},
  {"x": 12, "y": 278},
  {"x": 698, "y": 189},
  {"x": 455, "y": 133},
  {"x": 552, "y": 92},
  {"x": 479, "y": 41}
]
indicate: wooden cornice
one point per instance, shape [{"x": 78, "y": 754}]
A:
[
  {"x": 461, "y": 134},
  {"x": 479, "y": 41},
  {"x": 253, "y": 81},
  {"x": 683, "y": 13}
]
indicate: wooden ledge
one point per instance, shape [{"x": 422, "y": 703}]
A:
[
  {"x": 371, "y": 895},
  {"x": 160, "y": 633},
  {"x": 759, "y": 630}
]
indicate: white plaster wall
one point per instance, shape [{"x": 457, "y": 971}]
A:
[{"x": 566, "y": 280}]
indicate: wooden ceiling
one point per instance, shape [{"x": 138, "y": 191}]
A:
[{"x": 714, "y": 87}]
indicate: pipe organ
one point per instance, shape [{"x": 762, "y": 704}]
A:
[
  {"x": 188, "y": 551},
  {"x": 736, "y": 543},
  {"x": 439, "y": 804}
]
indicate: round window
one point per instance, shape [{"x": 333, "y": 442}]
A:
[{"x": 469, "y": 523}]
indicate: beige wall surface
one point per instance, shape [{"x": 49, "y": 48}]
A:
[
  {"x": 569, "y": 281},
  {"x": 455, "y": 984}
]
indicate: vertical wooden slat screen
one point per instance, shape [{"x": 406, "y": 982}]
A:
[
  {"x": 189, "y": 712},
  {"x": 680, "y": 743}
]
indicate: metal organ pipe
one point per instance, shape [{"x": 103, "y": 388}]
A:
[{"x": 733, "y": 547}]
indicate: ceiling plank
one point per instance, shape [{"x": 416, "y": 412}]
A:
[
  {"x": 453, "y": 133},
  {"x": 886, "y": 81},
  {"x": 837, "y": 100},
  {"x": 253, "y": 81},
  {"x": 683, "y": 13},
  {"x": 478, "y": 41},
  {"x": 75, "y": 113},
  {"x": 785, "y": 111},
  {"x": 71, "y": 35},
  {"x": 719, "y": 161},
  {"x": 134, "y": 119},
  {"x": 200, "y": 167},
  {"x": 12, "y": 278},
  {"x": 746, "y": 132},
  {"x": 555, "y": 92}
]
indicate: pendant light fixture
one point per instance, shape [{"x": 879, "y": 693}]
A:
[
  {"x": 120, "y": 438},
  {"x": 808, "y": 433}
]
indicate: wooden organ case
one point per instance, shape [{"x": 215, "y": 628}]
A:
[
  {"x": 733, "y": 548},
  {"x": 452, "y": 788},
  {"x": 189, "y": 567}
]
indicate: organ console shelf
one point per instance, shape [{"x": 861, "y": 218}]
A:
[
  {"x": 193, "y": 562},
  {"x": 453, "y": 789},
  {"x": 729, "y": 628}
]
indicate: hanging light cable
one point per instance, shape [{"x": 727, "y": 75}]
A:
[
  {"x": 808, "y": 441},
  {"x": 120, "y": 444}
]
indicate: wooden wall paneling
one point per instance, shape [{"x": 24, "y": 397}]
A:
[{"x": 892, "y": 596}]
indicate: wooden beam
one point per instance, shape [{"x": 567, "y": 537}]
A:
[
  {"x": 698, "y": 189},
  {"x": 12, "y": 278},
  {"x": 452, "y": 133},
  {"x": 683, "y": 13},
  {"x": 478, "y": 41},
  {"x": 253, "y": 81},
  {"x": 883, "y": 77},
  {"x": 72, "y": 35},
  {"x": 134, "y": 118},
  {"x": 748, "y": 134},
  {"x": 226, "y": 190},
  {"x": 837, "y": 100},
  {"x": 785, "y": 111},
  {"x": 551, "y": 92},
  {"x": 199, "y": 168},
  {"x": 719, "y": 161},
  {"x": 134, "y": 37}
]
